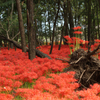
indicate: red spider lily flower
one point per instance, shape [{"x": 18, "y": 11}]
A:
[
  {"x": 86, "y": 42},
  {"x": 74, "y": 38},
  {"x": 7, "y": 88},
  {"x": 71, "y": 45},
  {"x": 97, "y": 40},
  {"x": 67, "y": 37},
  {"x": 76, "y": 28},
  {"x": 69, "y": 41},
  {"x": 82, "y": 41},
  {"x": 77, "y": 32},
  {"x": 6, "y": 96},
  {"x": 96, "y": 44}
]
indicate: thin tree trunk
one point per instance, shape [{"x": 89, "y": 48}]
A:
[
  {"x": 11, "y": 44},
  {"x": 21, "y": 26},
  {"x": 98, "y": 22},
  {"x": 65, "y": 20},
  {"x": 89, "y": 23},
  {"x": 45, "y": 31},
  {"x": 61, "y": 37},
  {"x": 79, "y": 15},
  {"x": 5, "y": 43},
  {"x": 54, "y": 26},
  {"x": 49, "y": 31},
  {"x": 49, "y": 24},
  {"x": 99, "y": 2},
  {"x": 0, "y": 42},
  {"x": 70, "y": 18}
]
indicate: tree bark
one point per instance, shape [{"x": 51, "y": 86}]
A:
[
  {"x": 61, "y": 37},
  {"x": 54, "y": 26},
  {"x": 65, "y": 19},
  {"x": 98, "y": 20},
  {"x": 89, "y": 23},
  {"x": 70, "y": 18},
  {"x": 21, "y": 26},
  {"x": 99, "y": 2},
  {"x": 31, "y": 32}
]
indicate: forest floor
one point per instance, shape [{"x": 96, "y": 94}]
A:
[{"x": 41, "y": 78}]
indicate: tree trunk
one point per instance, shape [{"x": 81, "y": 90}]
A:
[
  {"x": 93, "y": 33},
  {"x": 49, "y": 29},
  {"x": 5, "y": 43},
  {"x": 61, "y": 37},
  {"x": 70, "y": 18},
  {"x": 0, "y": 42},
  {"x": 11, "y": 45},
  {"x": 99, "y": 2},
  {"x": 98, "y": 22},
  {"x": 89, "y": 23},
  {"x": 54, "y": 26},
  {"x": 79, "y": 15},
  {"x": 65, "y": 20},
  {"x": 21, "y": 26},
  {"x": 31, "y": 31}
]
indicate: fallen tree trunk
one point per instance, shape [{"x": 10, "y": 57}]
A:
[{"x": 18, "y": 45}]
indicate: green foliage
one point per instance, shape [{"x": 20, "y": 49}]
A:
[
  {"x": 18, "y": 98},
  {"x": 44, "y": 12}
]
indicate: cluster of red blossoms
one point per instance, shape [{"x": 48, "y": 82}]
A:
[
  {"x": 41, "y": 78},
  {"x": 77, "y": 28}
]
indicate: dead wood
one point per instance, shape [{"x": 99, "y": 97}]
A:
[
  {"x": 62, "y": 60},
  {"x": 18, "y": 45},
  {"x": 86, "y": 66}
]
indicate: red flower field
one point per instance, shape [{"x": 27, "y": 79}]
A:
[{"x": 41, "y": 78}]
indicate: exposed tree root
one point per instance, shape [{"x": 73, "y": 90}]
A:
[{"x": 86, "y": 66}]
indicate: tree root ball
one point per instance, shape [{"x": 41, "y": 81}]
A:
[{"x": 86, "y": 66}]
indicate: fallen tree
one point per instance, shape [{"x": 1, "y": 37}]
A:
[{"x": 18, "y": 45}]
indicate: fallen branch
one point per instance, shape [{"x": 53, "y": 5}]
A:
[
  {"x": 62, "y": 59},
  {"x": 81, "y": 76},
  {"x": 16, "y": 35},
  {"x": 90, "y": 76},
  {"x": 74, "y": 62},
  {"x": 93, "y": 52},
  {"x": 18, "y": 45}
]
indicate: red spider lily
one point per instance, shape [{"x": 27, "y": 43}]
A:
[
  {"x": 82, "y": 41},
  {"x": 71, "y": 45},
  {"x": 74, "y": 38},
  {"x": 4, "y": 96},
  {"x": 76, "y": 28},
  {"x": 7, "y": 88},
  {"x": 86, "y": 42},
  {"x": 69, "y": 41},
  {"x": 77, "y": 39},
  {"x": 96, "y": 44},
  {"x": 67, "y": 37},
  {"x": 55, "y": 87},
  {"x": 97, "y": 40},
  {"x": 77, "y": 32}
]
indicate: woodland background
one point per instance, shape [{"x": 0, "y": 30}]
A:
[{"x": 34, "y": 22}]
